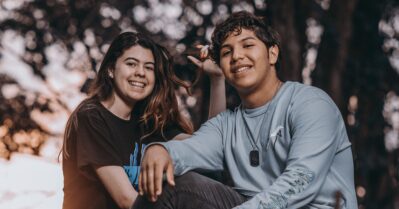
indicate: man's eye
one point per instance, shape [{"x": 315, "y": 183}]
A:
[{"x": 248, "y": 45}]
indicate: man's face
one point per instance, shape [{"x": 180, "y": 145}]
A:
[{"x": 246, "y": 61}]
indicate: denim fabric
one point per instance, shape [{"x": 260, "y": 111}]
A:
[{"x": 193, "y": 191}]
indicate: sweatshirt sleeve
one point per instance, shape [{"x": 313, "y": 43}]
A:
[
  {"x": 203, "y": 150},
  {"x": 317, "y": 129}
]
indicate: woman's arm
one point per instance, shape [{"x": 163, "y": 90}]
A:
[
  {"x": 217, "y": 101},
  {"x": 117, "y": 184}
]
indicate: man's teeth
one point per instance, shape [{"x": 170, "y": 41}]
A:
[
  {"x": 242, "y": 69},
  {"x": 137, "y": 84}
]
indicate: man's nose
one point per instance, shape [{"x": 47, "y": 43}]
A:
[{"x": 237, "y": 55}]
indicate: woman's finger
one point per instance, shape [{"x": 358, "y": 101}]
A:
[{"x": 195, "y": 61}]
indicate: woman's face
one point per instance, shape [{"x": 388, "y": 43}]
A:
[{"x": 134, "y": 75}]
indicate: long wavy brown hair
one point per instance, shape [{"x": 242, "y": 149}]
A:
[{"x": 157, "y": 110}]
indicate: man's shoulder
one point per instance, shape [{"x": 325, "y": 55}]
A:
[
  {"x": 224, "y": 117},
  {"x": 306, "y": 97},
  {"x": 302, "y": 93},
  {"x": 228, "y": 112}
]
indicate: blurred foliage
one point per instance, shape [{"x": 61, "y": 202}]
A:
[{"x": 354, "y": 63}]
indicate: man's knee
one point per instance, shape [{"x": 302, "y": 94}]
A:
[
  {"x": 193, "y": 180},
  {"x": 177, "y": 196},
  {"x": 193, "y": 190}
]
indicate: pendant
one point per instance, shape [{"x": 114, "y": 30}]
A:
[{"x": 254, "y": 158}]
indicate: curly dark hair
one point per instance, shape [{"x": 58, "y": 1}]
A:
[{"x": 243, "y": 20}]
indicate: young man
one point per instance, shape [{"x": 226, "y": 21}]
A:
[{"x": 285, "y": 146}]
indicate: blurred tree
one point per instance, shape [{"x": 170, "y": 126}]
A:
[
  {"x": 334, "y": 49},
  {"x": 288, "y": 18},
  {"x": 370, "y": 77},
  {"x": 353, "y": 61}
]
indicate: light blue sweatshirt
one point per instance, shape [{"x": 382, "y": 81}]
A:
[{"x": 305, "y": 154}]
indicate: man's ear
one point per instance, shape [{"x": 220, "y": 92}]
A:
[{"x": 273, "y": 54}]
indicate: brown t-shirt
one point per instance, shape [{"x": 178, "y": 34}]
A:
[{"x": 101, "y": 138}]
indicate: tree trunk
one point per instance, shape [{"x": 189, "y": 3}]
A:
[
  {"x": 333, "y": 52},
  {"x": 284, "y": 19}
]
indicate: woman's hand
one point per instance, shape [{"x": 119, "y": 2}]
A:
[
  {"x": 217, "y": 101},
  {"x": 205, "y": 63}
]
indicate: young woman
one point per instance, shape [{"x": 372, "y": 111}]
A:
[{"x": 131, "y": 103}]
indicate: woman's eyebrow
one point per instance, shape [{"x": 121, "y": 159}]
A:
[{"x": 137, "y": 60}]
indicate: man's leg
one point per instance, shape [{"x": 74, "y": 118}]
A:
[{"x": 193, "y": 191}]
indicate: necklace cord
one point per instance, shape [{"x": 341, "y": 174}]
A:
[{"x": 252, "y": 139}]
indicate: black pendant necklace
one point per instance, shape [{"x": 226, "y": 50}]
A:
[{"x": 254, "y": 158}]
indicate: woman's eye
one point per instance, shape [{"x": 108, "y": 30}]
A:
[
  {"x": 248, "y": 45},
  {"x": 149, "y": 68},
  {"x": 131, "y": 64},
  {"x": 225, "y": 53}
]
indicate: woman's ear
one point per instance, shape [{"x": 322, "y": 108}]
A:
[
  {"x": 110, "y": 73},
  {"x": 273, "y": 54}
]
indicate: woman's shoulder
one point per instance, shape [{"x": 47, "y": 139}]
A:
[{"x": 89, "y": 108}]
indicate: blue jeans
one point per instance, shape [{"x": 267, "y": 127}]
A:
[{"x": 193, "y": 191}]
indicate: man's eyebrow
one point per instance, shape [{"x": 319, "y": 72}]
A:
[
  {"x": 225, "y": 46},
  {"x": 241, "y": 40},
  {"x": 247, "y": 38},
  {"x": 137, "y": 60}
]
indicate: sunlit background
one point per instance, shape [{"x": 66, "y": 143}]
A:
[{"x": 50, "y": 50}]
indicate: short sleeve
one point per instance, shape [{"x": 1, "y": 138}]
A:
[
  {"x": 172, "y": 130},
  {"x": 94, "y": 142},
  {"x": 169, "y": 132}
]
